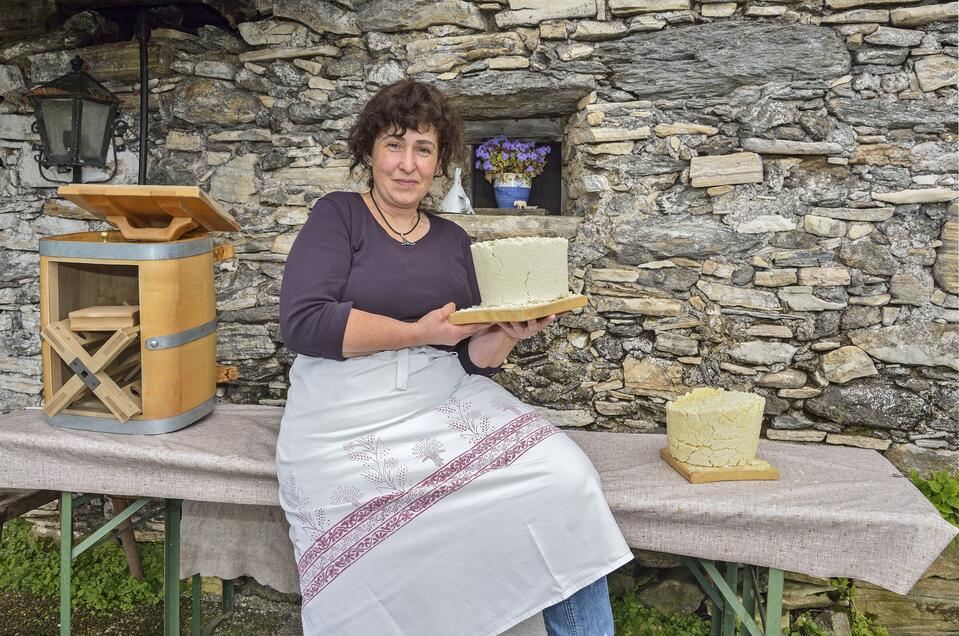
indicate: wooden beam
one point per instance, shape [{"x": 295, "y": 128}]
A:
[{"x": 476, "y": 132}]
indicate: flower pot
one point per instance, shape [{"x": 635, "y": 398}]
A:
[{"x": 510, "y": 187}]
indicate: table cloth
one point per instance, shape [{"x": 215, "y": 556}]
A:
[{"x": 836, "y": 511}]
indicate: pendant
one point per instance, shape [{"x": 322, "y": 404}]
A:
[{"x": 407, "y": 243}]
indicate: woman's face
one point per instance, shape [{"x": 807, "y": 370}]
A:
[{"x": 403, "y": 166}]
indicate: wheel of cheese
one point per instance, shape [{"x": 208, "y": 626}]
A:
[
  {"x": 714, "y": 427},
  {"x": 514, "y": 272}
]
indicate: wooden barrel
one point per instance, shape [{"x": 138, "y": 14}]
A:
[{"x": 174, "y": 357}]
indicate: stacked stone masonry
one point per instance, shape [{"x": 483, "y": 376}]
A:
[{"x": 760, "y": 196}]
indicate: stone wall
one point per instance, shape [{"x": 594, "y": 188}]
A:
[{"x": 761, "y": 196}]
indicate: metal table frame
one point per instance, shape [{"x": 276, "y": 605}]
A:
[
  {"x": 725, "y": 590},
  {"x": 171, "y": 564}
]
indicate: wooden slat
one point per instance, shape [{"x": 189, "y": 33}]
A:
[
  {"x": 178, "y": 378},
  {"x": 68, "y": 347},
  {"x": 120, "y": 404},
  {"x": 50, "y": 311},
  {"x": 63, "y": 341},
  {"x": 87, "y": 338},
  {"x": 70, "y": 392},
  {"x": 116, "y": 344},
  {"x": 104, "y": 317}
]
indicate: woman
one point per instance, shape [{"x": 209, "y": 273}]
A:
[{"x": 423, "y": 498}]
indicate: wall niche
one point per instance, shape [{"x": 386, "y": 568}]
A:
[{"x": 548, "y": 193}]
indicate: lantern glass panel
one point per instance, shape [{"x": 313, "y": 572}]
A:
[
  {"x": 94, "y": 120},
  {"x": 58, "y": 122}
]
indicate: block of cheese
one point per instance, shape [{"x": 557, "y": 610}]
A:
[
  {"x": 514, "y": 272},
  {"x": 714, "y": 427}
]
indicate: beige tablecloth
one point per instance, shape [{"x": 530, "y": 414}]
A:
[{"x": 835, "y": 511}]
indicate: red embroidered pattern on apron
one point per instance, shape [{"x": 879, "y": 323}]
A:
[
  {"x": 408, "y": 512},
  {"x": 362, "y": 518}
]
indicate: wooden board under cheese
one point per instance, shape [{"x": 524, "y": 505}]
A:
[
  {"x": 761, "y": 471},
  {"x": 517, "y": 314}
]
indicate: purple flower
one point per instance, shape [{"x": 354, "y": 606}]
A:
[{"x": 501, "y": 154}]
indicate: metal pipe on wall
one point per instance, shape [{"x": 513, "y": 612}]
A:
[{"x": 143, "y": 36}]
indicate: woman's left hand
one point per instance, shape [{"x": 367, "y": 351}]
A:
[{"x": 522, "y": 330}]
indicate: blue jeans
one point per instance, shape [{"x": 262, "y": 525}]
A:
[{"x": 585, "y": 613}]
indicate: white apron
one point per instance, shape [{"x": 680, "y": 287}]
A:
[{"x": 424, "y": 501}]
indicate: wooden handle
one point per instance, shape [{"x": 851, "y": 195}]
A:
[{"x": 177, "y": 227}]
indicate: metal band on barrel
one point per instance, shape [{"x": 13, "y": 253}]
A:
[
  {"x": 155, "y": 343},
  {"x": 102, "y": 251}
]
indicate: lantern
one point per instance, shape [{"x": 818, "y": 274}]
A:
[{"x": 75, "y": 118}]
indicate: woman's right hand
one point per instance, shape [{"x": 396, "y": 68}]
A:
[{"x": 436, "y": 329}]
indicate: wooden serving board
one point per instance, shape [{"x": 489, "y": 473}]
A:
[
  {"x": 703, "y": 474},
  {"x": 151, "y": 212},
  {"x": 518, "y": 314}
]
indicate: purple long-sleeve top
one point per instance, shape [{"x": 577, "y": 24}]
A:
[{"x": 343, "y": 259}]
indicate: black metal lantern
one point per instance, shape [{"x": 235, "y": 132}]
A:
[{"x": 75, "y": 118}]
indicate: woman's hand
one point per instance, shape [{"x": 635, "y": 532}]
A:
[
  {"x": 522, "y": 330},
  {"x": 435, "y": 328}
]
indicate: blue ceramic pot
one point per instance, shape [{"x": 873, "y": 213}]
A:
[{"x": 510, "y": 187}]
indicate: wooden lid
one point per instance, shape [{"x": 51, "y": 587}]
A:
[{"x": 150, "y": 207}]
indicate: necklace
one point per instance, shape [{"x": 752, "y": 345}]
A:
[{"x": 406, "y": 242}]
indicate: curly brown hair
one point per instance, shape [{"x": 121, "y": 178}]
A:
[{"x": 402, "y": 105}]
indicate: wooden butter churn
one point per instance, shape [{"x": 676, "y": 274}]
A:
[{"x": 128, "y": 317}]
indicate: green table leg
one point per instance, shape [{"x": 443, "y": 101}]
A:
[
  {"x": 715, "y": 598},
  {"x": 197, "y": 610},
  {"x": 774, "y": 603},
  {"x": 229, "y": 594},
  {"x": 171, "y": 567},
  {"x": 729, "y": 616},
  {"x": 731, "y": 602},
  {"x": 749, "y": 591},
  {"x": 726, "y": 606},
  {"x": 66, "y": 559},
  {"x": 716, "y": 620}
]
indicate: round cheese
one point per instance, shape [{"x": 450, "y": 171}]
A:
[
  {"x": 714, "y": 427},
  {"x": 521, "y": 271}
]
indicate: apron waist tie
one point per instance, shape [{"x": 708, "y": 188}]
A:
[{"x": 403, "y": 363}]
